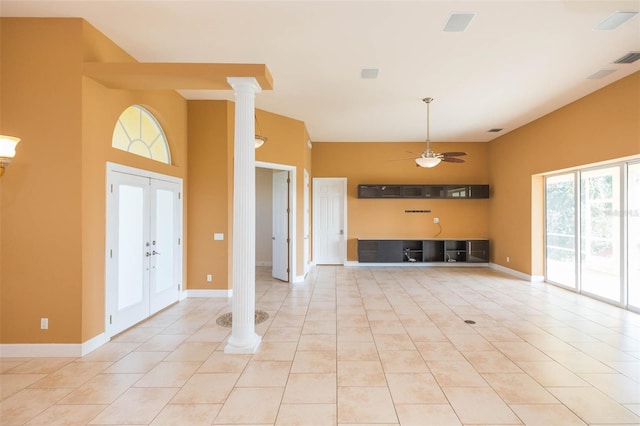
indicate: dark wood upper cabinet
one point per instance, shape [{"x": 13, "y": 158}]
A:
[{"x": 423, "y": 191}]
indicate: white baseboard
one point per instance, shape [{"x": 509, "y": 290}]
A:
[
  {"x": 209, "y": 293},
  {"x": 518, "y": 274},
  {"x": 52, "y": 350},
  {"x": 94, "y": 343}
]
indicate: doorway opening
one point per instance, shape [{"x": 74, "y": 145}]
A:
[{"x": 275, "y": 219}]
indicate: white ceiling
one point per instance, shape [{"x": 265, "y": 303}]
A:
[{"x": 517, "y": 60}]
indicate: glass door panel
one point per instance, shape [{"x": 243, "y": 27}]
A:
[
  {"x": 560, "y": 225},
  {"x": 131, "y": 240},
  {"x": 633, "y": 232},
  {"x": 128, "y": 254},
  {"x": 165, "y": 248},
  {"x": 600, "y": 247}
]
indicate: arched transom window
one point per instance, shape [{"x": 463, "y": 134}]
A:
[{"x": 138, "y": 132}]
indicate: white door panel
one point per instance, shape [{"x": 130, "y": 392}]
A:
[
  {"x": 307, "y": 217},
  {"x": 165, "y": 247},
  {"x": 280, "y": 239},
  {"x": 129, "y": 264},
  {"x": 329, "y": 220}
]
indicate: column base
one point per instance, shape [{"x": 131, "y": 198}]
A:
[{"x": 248, "y": 347}]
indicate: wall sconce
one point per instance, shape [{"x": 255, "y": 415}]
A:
[
  {"x": 260, "y": 140},
  {"x": 7, "y": 151}
]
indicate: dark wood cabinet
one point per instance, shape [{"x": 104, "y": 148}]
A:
[
  {"x": 478, "y": 251},
  {"x": 421, "y": 251},
  {"x": 423, "y": 191}
]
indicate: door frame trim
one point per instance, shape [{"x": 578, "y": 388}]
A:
[{"x": 293, "y": 244}]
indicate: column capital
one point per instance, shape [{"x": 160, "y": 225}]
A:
[{"x": 244, "y": 83}]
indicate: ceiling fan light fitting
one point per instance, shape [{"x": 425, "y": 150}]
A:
[
  {"x": 260, "y": 140},
  {"x": 428, "y": 162}
]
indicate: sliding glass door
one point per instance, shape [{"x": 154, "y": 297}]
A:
[
  {"x": 633, "y": 232},
  {"x": 592, "y": 232},
  {"x": 561, "y": 230},
  {"x": 600, "y": 245}
]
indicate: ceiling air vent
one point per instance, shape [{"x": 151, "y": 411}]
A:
[
  {"x": 629, "y": 58},
  {"x": 494, "y": 130},
  {"x": 458, "y": 22},
  {"x": 600, "y": 74},
  {"x": 369, "y": 73}
]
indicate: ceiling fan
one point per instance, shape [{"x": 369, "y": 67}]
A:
[{"x": 430, "y": 158}]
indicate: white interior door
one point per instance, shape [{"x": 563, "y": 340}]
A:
[
  {"x": 144, "y": 256},
  {"x": 329, "y": 220},
  {"x": 280, "y": 239},
  {"x": 307, "y": 220}
]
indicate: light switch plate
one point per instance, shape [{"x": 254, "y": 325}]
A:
[{"x": 218, "y": 236}]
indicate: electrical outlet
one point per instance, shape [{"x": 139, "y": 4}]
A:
[
  {"x": 209, "y": 278},
  {"x": 44, "y": 323},
  {"x": 508, "y": 259},
  {"x": 436, "y": 220}
]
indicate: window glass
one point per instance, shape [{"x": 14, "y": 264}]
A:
[{"x": 138, "y": 132}]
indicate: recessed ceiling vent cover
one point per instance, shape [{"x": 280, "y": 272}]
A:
[
  {"x": 494, "y": 130},
  {"x": 600, "y": 74},
  {"x": 458, "y": 22},
  {"x": 629, "y": 58},
  {"x": 369, "y": 73}
]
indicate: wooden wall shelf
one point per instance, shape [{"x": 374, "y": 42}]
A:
[{"x": 423, "y": 191}]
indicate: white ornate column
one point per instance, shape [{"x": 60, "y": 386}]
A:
[{"x": 243, "y": 336}]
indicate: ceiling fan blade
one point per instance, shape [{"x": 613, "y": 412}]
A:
[
  {"x": 452, "y": 160},
  {"x": 453, "y": 154}
]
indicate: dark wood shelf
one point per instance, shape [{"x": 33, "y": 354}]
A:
[{"x": 423, "y": 191}]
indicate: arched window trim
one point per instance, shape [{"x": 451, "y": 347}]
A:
[{"x": 129, "y": 128}]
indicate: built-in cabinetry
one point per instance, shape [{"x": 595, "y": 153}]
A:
[
  {"x": 423, "y": 191},
  {"x": 420, "y": 251}
]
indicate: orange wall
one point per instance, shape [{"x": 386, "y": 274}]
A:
[
  {"x": 211, "y": 133},
  {"x": 53, "y": 202},
  {"x": 101, "y": 109},
  {"x": 41, "y": 193},
  {"x": 602, "y": 126},
  {"x": 374, "y": 163},
  {"x": 287, "y": 145},
  {"x": 210, "y": 193}
]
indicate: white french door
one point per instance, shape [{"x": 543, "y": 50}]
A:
[
  {"x": 144, "y": 256},
  {"x": 329, "y": 221},
  {"x": 280, "y": 238}
]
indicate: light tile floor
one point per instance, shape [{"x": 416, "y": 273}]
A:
[{"x": 354, "y": 345}]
